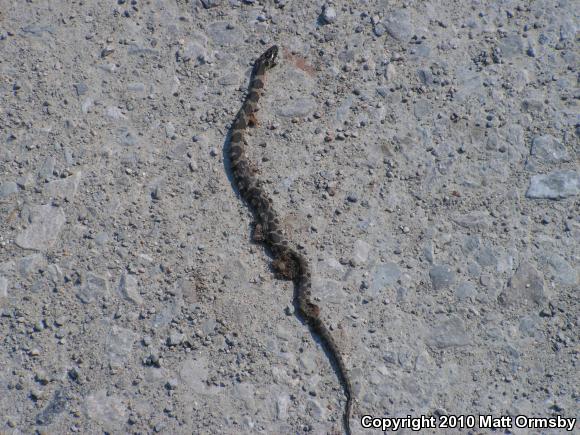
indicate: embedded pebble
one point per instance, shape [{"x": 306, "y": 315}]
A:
[
  {"x": 361, "y": 252},
  {"x": 351, "y": 197},
  {"x": 94, "y": 287},
  {"x": 126, "y": 136},
  {"x": 383, "y": 275},
  {"x": 449, "y": 333},
  {"x": 442, "y": 277},
  {"x": 428, "y": 252},
  {"x": 41, "y": 377},
  {"x": 107, "y": 410},
  {"x": 31, "y": 264},
  {"x": 114, "y": 113},
  {"x": 426, "y": 76},
  {"x": 175, "y": 338},
  {"x": 564, "y": 273},
  {"x": 136, "y": 87},
  {"x": 527, "y": 284},
  {"x": 297, "y": 108},
  {"x": 390, "y": 73},
  {"x": 476, "y": 220},
  {"x": 172, "y": 384},
  {"x": 81, "y": 88},
  {"x": 307, "y": 362},
  {"x": 554, "y": 185},
  {"x": 38, "y": 30},
  {"x": 65, "y": 188},
  {"x": 511, "y": 46},
  {"x": 328, "y": 14},
  {"x": 530, "y": 325},
  {"x": 470, "y": 244},
  {"x": 398, "y": 24},
  {"x": 54, "y": 407},
  {"x": 87, "y": 105},
  {"x": 224, "y": 33},
  {"x": 193, "y": 374},
  {"x": 314, "y": 409},
  {"x": 170, "y": 130},
  {"x": 229, "y": 79},
  {"x": 119, "y": 345},
  {"x": 164, "y": 317},
  {"x": 128, "y": 288},
  {"x": 549, "y": 150},
  {"x": 379, "y": 29},
  {"x": 7, "y": 189},
  {"x": 486, "y": 257},
  {"x": 210, "y": 3},
  {"x": 25, "y": 182},
  {"x": 46, "y": 223},
  {"x": 282, "y": 405},
  {"x": 3, "y": 287},
  {"x": 465, "y": 290},
  {"x": 195, "y": 52},
  {"x": 47, "y": 168}
]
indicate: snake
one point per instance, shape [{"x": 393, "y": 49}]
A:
[{"x": 287, "y": 262}]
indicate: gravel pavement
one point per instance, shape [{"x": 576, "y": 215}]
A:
[{"x": 424, "y": 154}]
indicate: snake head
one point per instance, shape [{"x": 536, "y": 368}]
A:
[{"x": 268, "y": 59}]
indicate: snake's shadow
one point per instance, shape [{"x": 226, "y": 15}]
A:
[{"x": 227, "y": 145}]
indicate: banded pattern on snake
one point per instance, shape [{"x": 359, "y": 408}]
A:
[{"x": 288, "y": 262}]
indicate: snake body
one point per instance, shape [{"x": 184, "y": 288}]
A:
[{"x": 288, "y": 262}]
